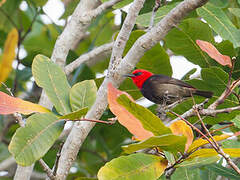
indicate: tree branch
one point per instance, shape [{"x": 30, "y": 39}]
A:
[
  {"x": 73, "y": 32},
  {"x": 47, "y": 169},
  {"x": 5, "y": 164},
  {"x": 225, "y": 94},
  {"x": 81, "y": 129},
  {"x": 147, "y": 41},
  {"x": 88, "y": 57},
  {"x": 218, "y": 149},
  {"x": 124, "y": 34}
]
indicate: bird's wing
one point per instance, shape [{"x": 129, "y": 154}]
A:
[{"x": 161, "y": 79}]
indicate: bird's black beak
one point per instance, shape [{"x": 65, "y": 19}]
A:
[{"x": 128, "y": 75}]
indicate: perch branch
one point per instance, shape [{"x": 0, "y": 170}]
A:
[
  {"x": 88, "y": 57},
  {"x": 144, "y": 43}
]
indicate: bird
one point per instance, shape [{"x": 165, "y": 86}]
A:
[{"x": 162, "y": 89}]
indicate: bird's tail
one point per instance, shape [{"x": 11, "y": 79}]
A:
[{"x": 206, "y": 94}]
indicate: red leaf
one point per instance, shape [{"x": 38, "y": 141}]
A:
[
  {"x": 10, "y": 105},
  {"x": 124, "y": 117},
  {"x": 214, "y": 53}
]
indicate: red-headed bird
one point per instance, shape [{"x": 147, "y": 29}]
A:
[{"x": 162, "y": 89}]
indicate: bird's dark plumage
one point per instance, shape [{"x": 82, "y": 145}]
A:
[{"x": 162, "y": 89}]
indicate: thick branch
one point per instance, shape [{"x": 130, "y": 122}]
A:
[
  {"x": 73, "y": 32},
  {"x": 124, "y": 34},
  {"x": 147, "y": 41},
  {"x": 71, "y": 35},
  {"x": 106, "y": 48},
  {"x": 5, "y": 164}
]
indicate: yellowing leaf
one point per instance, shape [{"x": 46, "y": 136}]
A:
[
  {"x": 181, "y": 128},
  {"x": 10, "y": 105},
  {"x": 2, "y": 2},
  {"x": 124, "y": 117},
  {"x": 137, "y": 166},
  {"x": 8, "y": 55},
  {"x": 233, "y": 152},
  {"x": 214, "y": 53},
  {"x": 200, "y": 142}
]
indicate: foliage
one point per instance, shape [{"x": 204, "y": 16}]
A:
[{"x": 109, "y": 152}]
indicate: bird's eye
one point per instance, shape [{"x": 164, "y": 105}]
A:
[{"x": 138, "y": 73}]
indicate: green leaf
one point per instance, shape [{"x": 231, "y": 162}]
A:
[
  {"x": 235, "y": 11},
  {"x": 186, "y": 174},
  {"x": 226, "y": 48},
  {"x": 223, "y": 171},
  {"x": 52, "y": 79},
  {"x": 188, "y": 74},
  {"x": 198, "y": 161},
  {"x": 170, "y": 157},
  {"x": 4, "y": 153},
  {"x": 220, "y": 23},
  {"x": 215, "y": 78},
  {"x": 182, "y": 41},
  {"x": 41, "y": 40},
  {"x": 11, "y": 9},
  {"x": 70, "y": 8},
  {"x": 102, "y": 29},
  {"x": 136, "y": 166},
  {"x": 232, "y": 143},
  {"x": 236, "y": 121},
  {"x": 83, "y": 94},
  {"x": 144, "y": 19},
  {"x": 220, "y": 4},
  {"x": 39, "y": 2},
  {"x": 155, "y": 58},
  {"x": 121, "y": 3},
  {"x": 149, "y": 121},
  {"x": 31, "y": 142},
  {"x": 129, "y": 87},
  {"x": 207, "y": 174},
  {"x": 75, "y": 115},
  {"x": 132, "y": 39},
  {"x": 167, "y": 142}
]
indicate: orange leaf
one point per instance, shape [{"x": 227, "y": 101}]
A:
[
  {"x": 181, "y": 128},
  {"x": 124, "y": 117},
  {"x": 8, "y": 55},
  {"x": 214, "y": 53},
  {"x": 10, "y": 105}
]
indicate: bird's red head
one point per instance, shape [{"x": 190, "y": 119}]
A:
[{"x": 139, "y": 76}]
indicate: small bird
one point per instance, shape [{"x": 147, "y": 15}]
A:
[{"x": 162, "y": 89}]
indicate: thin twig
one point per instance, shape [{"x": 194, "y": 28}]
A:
[
  {"x": 88, "y": 57},
  {"x": 196, "y": 129},
  {"x": 225, "y": 94},
  {"x": 155, "y": 8},
  {"x": 30, "y": 27},
  {"x": 93, "y": 120},
  {"x": 47, "y": 169},
  {"x": 215, "y": 130},
  {"x": 202, "y": 123},
  {"x": 218, "y": 148},
  {"x": 57, "y": 159}
]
